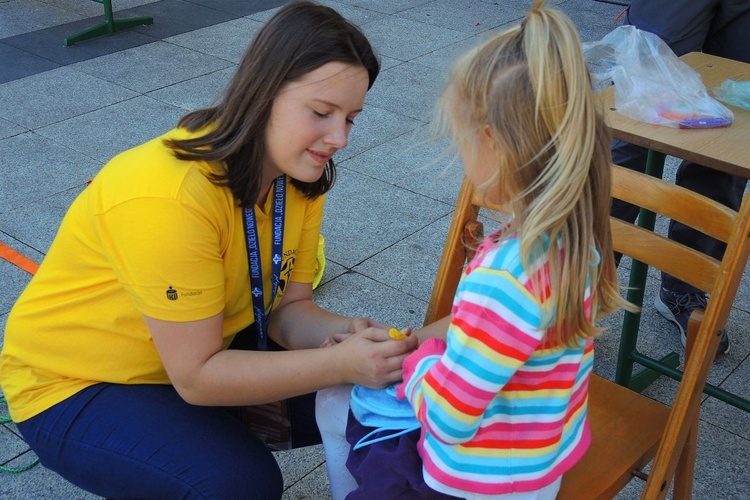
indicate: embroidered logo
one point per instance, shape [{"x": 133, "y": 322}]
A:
[{"x": 172, "y": 294}]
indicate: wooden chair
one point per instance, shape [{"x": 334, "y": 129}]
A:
[{"x": 630, "y": 430}]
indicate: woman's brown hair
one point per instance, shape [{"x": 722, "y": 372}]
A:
[{"x": 300, "y": 38}]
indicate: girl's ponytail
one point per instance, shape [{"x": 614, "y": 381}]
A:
[
  {"x": 569, "y": 199},
  {"x": 531, "y": 85}
]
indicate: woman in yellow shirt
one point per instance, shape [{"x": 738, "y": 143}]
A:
[{"x": 116, "y": 363}]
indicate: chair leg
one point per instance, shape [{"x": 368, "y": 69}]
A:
[
  {"x": 685, "y": 470},
  {"x": 683, "y": 475}
]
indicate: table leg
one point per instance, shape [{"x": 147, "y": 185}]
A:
[{"x": 636, "y": 289}]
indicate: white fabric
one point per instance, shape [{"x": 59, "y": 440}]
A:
[{"x": 331, "y": 411}]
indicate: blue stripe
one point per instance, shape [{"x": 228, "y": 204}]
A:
[
  {"x": 490, "y": 372},
  {"x": 490, "y": 465},
  {"x": 457, "y": 431},
  {"x": 493, "y": 288},
  {"x": 536, "y": 406}
]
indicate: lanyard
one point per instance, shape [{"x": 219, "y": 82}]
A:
[{"x": 253, "y": 257}]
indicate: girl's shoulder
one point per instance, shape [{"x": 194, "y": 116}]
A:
[
  {"x": 498, "y": 251},
  {"x": 502, "y": 251}
]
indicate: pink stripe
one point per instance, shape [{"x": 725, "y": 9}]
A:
[
  {"x": 525, "y": 426},
  {"x": 561, "y": 372},
  {"x": 486, "y": 321},
  {"x": 505, "y": 434},
  {"x": 581, "y": 393},
  {"x": 450, "y": 382}
]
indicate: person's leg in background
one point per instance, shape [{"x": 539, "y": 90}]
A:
[
  {"x": 727, "y": 36},
  {"x": 684, "y": 26},
  {"x": 716, "y": 27},
  {"x": 145, "y": 441}
]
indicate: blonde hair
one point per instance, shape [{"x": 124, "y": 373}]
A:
[{"x": 531, "y": 86}]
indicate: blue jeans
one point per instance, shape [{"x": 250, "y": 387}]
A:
[{"x": 145, "y": 441}]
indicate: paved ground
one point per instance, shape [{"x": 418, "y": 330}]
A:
[{"x": 65, "y": 111}]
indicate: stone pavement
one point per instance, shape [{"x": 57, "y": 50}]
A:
[{"x": 64, "y": 111}]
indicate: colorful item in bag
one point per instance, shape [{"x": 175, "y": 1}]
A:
[{"x": 396, "y": 335}]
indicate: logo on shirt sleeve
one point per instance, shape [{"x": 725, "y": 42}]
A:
[{"x": 172, "y": 294}]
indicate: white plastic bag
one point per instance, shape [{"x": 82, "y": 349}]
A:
[{"x": 651, "y": 83}]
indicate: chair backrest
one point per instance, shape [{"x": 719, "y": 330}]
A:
[
  {"x": 720, "y": 278},
  {"x": 673, "y": 202}
]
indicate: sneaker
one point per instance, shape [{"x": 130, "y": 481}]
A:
[{"x": 677, "y": 308}]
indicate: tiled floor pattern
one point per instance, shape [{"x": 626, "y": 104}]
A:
[{"x": 64, "y": 111}]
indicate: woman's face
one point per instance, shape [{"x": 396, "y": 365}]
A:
[{"x": 311, "y": 119}]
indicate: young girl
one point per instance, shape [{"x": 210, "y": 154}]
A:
[
  {"x": 502, "y": 404},
  {"x": 115, "y": 360}
]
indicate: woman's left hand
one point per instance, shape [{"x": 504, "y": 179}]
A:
[{"x": 372, "y": 357}]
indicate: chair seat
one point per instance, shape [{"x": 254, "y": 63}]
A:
[{"x": 615, "y": 450}]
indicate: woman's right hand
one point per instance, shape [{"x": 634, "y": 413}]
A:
[{"x": 372, "y": 359}]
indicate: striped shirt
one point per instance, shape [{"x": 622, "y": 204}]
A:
[{"x": 500, "y": 410}]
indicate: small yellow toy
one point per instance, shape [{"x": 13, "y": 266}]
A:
[{"x": 396, "y": 335}]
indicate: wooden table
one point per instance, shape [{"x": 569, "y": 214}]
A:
[{"x": 726, "y": 149}]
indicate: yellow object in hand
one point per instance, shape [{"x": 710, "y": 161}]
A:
[{"x": 396, "y": 335}]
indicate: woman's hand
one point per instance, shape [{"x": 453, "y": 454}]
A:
[{"x": 372, "y": 358}]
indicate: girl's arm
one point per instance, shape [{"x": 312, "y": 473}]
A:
[{"x": 437, "y": 329}]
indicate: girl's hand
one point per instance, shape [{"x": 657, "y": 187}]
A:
[
  {"x": 360, "y": 324},
  {"x": 356, "y": 325},
  {"x": 372, "y": 358},
  {"x": 393, "y": 334}
]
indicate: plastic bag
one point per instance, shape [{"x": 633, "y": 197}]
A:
[
  {"x": 735, "y": 93},
  {"x": 651, "y": 83}
]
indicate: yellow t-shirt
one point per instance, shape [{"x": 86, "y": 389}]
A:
[{"x": 151, "y": 235}]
